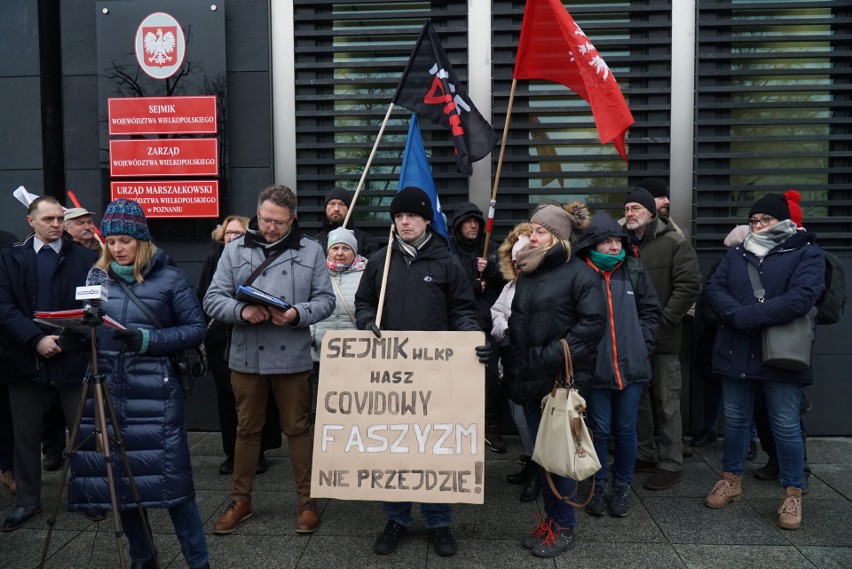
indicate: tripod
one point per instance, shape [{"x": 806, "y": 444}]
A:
[{"x": 102, "y": 404}]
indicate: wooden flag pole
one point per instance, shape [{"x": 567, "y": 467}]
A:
[
  {"x": 367, "y": 167},
  {"x": 385, "y": 279},
  {"x": 489, "y": 226}
]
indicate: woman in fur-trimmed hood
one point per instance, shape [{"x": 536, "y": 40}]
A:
[{"x": 556, "y": 296}]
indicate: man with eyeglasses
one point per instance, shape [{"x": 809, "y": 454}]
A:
[
  {"x": 270, "y": 347},
  {"x": 673, "y": 267}
]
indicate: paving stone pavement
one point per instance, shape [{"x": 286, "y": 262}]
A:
[{"x": 665, "y": 530}]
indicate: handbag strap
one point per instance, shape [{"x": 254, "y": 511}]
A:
[
  {"x": 756, "y": 283},
  {"x": 567, "y": 499},
  {"x": 139, "y": 304},
  {"x": 569, "y": 365},
  {"x": 343, "y": 300}
]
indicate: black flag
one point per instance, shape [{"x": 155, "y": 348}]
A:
[{"x": 431, "y": 88}]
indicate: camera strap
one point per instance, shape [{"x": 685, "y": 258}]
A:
[{"x": 139, "y": 304}]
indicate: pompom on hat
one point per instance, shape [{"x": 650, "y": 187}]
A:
[
  {"x": 125, "y": 217},
  {"x": 793, "y": 199},
  {"x": 345, "y": 236},
  {"x": 412, "y": 200}
]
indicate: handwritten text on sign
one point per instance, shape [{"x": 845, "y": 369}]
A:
[{"x": 400, "y": 418}]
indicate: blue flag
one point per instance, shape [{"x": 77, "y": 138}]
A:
[{"x": 417, "y": 172}]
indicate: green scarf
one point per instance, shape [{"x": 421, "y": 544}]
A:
[
  {"x": 604, "y": 261},
  {"x": 124, "y": 272}
]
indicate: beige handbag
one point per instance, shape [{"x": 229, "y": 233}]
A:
[{"x": 563, "y": 443}]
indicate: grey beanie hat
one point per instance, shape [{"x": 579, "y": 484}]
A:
[
  {"x": 343, "y": 235},
  {"x": 554, "y": 219}
]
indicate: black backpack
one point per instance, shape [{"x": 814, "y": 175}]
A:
[{"x": 832, "y": 301}]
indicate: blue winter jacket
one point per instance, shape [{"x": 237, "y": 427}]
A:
[
  {"x": 633, "y": 312},
  {"x": 148, "y": 400},
  {"x": 792, "y": 274}
]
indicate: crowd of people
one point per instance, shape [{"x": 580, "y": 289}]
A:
[{"x": 618, "y": 291}]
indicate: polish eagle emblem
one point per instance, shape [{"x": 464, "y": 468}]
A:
[{"x": 159, "y": 47}]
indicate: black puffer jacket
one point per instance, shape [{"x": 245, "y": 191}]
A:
[
  {"x": 562, "y": 299},
  {"x": 468, "y": 252},
  {"x": 429, "y": 292}
]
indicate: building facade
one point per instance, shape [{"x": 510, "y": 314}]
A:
[{"x": 731, "y": 98}]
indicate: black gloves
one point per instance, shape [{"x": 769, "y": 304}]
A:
[
  {"x": 131, "y": 340},
  {"x": 485, "y": 352},
  {"x": 375, "y": 330}
]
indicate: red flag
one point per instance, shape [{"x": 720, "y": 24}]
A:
[
  {"x": 430, "y": 87},
  {"x": 554, "y": 48}
]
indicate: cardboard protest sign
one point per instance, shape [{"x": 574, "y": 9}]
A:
[{"x": 400, "y": 418}]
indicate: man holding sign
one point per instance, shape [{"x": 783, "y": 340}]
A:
[{"x": 429, "y": 292}]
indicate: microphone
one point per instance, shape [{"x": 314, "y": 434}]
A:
[{"x": 95, "y": 289}]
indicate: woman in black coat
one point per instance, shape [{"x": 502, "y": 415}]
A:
[
  {"x": 791, "y": 271},
  {"x": 144, "y": 389},
  {"x": 217, "y": 345},
  {"x": 557, "y": 296}
]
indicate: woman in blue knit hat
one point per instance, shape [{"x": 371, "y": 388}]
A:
[{"x": 144, "y": 388}]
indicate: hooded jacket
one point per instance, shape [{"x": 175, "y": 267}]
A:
[
  {"x": 633, "y": 313},
  {"x": 561, "y": 299},
  {"x": 21, "y": 335},
  {"x": 502, "y": 307},
  {"x": 468, "y": 252},
  {"x": 671, "y": 263},
  {"x": 147, "y": 396},
  {"x": 792, "y": 274},
  {"x": 429, "y": 292}
]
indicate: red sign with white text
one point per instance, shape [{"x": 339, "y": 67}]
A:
[
  {"x": 163, "y": 157},
  {"x": 162, "y": 115},
  {"x": 196, "y": 198}
]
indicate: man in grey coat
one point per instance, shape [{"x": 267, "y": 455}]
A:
[{"x": 270, "y": 347}]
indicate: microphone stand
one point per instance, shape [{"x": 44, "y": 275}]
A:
[{"x": 93, "y": 316}]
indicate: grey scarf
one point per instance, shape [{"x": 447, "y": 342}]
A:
[{"x": 760, "y": 243}]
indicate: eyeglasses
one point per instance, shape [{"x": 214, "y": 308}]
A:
[
  {"x": 234, "y": 234},
  {"x": 765, "y": 220},
  {"x": 634, "y": 209},
  {"x": 276, "y": 222}
]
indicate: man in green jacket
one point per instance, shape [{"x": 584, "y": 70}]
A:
[{"x": 673, "y": 267}]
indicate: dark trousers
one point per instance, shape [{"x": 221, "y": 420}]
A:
[
  {"x": 7, "y": 435},
  {"x": 227, "y": 406},
  {"x": 53, "y": 437},
  {"x": 496, "y": 402},
  {"x": 27, "y": 399}
]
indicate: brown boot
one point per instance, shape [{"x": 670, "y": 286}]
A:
[
  {"x": 790, "y": 513},
  {"x": 233, "y": 516},
  {"x": 728, "y": 489},
  {"x": 308, "y": 518}
]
